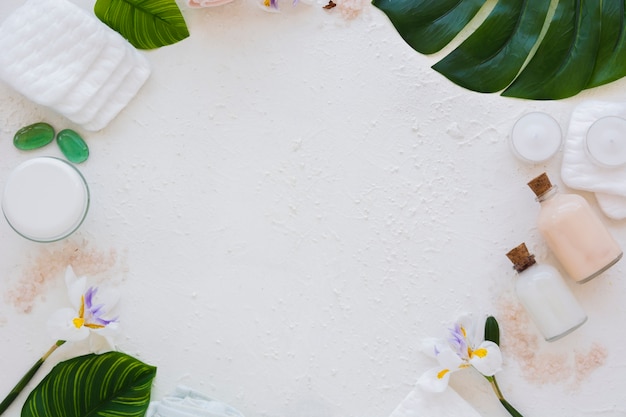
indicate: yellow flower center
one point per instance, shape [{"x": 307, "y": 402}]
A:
[
  {"x": 481, "y": 353},
  {"x": 80, "y": 320},
  {"x": 442, "y": 373}
]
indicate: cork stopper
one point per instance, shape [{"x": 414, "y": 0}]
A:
[
  {"x": 521, "y": 258},
  {"x": 540, "y": 184}
]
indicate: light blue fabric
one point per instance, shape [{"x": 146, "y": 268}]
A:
[{"x": 185, "y": 402}]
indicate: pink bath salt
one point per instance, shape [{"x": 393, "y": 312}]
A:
[
  {"x": 206, "y": 3},
  {"x": 351, "y": 9}
]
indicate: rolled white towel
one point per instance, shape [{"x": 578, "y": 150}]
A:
[
  {"x": 420, "y": 403},
  {"x": 206, "y": 3},
  {"x": 185, "y": 402}
]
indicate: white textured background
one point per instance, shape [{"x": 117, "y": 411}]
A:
[{"x": 291, "y": 203}]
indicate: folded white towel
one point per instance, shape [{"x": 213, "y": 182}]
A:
[
  {"x": 420, "y": 403},
  {"x": 47, "y": 46},
  {"x": 93, "y": 80},
  {"x": 185, "y": 402},
  {"x": 128, "y": 88},
  {"x": 106, "y": 90},
  {"x": 61, "y": 56},
  {"x": 580, "y": 172}
]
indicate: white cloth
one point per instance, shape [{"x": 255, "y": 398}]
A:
[
  {"x": 61, "y": 56},
  {"x": 420, "y": 403},
  {"x": 185, "y": 402},
  {"x": 206, "y": 3},
  {"x": 580, "y": 172},
  {"x": 614, "y": 206}
]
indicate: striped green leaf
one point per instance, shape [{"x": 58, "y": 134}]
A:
[
  {"x": 522, "y": 47},
  {"x": 147, "y": 24},
  {"x": 107, "y": 385}
]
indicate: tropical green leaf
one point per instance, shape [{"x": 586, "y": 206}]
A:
[
  {"x": 563, "y": 63},
  {"x": 492, "y": 330},
  {"x": 491, "y": 57},
  {"x": 611, "y": 61},
  {"x": 147, "y": 24},
  {"x": 111, "y": 384},
  {"x": 520, "y": 46},
  {"x": 429, "y": 25}
]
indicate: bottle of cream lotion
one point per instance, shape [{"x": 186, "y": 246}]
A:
[
  {"x": 545, "y": 296},
  {"x": 573, "y": 232}
]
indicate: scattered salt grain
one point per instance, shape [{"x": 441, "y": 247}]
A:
[{"x": 49, "y": 265}]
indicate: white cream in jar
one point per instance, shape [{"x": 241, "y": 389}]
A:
[{"x": 45, "y": 199}]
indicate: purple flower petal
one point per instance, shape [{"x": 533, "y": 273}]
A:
[
  {"x": 91, "y": 292},
  {"x": 94, "y": 312}
]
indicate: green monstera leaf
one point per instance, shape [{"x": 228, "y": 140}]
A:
[
  {"x": 147, "y": 24},
  {"x": 111, "y": 384},
  {"x": 523, "y": 47}
]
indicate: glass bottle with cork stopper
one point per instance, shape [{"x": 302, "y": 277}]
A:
[
  {"x": 545, "y": 296},
  {"x": 574, "y": 233}
]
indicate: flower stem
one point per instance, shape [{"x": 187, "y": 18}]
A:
[
  {"x": 503, "y": 401},
  {"x": 27, "y": 377}
]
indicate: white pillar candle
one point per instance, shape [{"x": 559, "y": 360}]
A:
[
  {"x": 45, "y": 199},
  {"x": 536, "y": 137},
  {"x": 606, "y": 141}
]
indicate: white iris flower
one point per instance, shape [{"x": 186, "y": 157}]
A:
[
  {"x": 464, "y": 348},
  {"x": 90, "y": 312}
]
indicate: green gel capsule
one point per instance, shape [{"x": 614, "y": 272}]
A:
[
  {"x": 73, "y": 146},
  {"x": 33, "y": 136}
]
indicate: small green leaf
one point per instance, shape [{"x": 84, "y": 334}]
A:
[
  {"x": 147, "y": 24},
  {"x": 512, "y": 411},
  {"x": 492, "y": 330},
  {"x": 111, "y": 384}
]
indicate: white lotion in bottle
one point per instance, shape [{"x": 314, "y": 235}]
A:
[{"x": 545, "y": 296}]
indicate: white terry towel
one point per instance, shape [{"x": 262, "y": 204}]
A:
[
  {"x": 420, "y": 403},
  {"x": 63, "y": 57},
  {"x": 128, "y": 88},
  {"x": 185, "y": 402}
]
